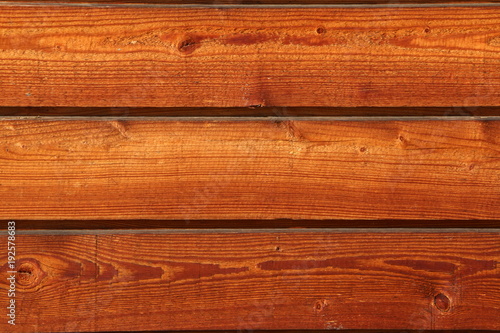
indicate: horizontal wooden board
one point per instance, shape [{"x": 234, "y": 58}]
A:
[
  {"x": 256, "y": 280},
  {"x": 235, "y": 57},
  {"x": 282, "y": 168},
  {"x": 255, "y": 111}
]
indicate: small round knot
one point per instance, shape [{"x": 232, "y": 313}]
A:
[
  {"x": 442, "y": 302},
  {"x": 320, "y": 305},
  {"x": 29, "y": 273},
  {"x": 188, "y": 45}
]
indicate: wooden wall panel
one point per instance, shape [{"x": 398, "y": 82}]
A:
[
  {"x": 185, "y": 169},
  {"x": 257, "y": 280},
  {"x": 227, "y": 57},
  {"x": 194, "y": 165}
]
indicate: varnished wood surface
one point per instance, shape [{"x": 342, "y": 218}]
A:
[
  {"x": 228, "y": 57},
  {"x": 214, "y": 181},
  {"x": 255, "y": 111},
  {"x": 286, "y": 168},
  {"x": 256, "y": 280}
]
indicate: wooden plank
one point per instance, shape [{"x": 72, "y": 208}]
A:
[
  {"x": 234, "y": 57},
  {"x": 255, "y": 111},
  {"x": 256, "y": 280},
  {"x": 226, "y": 168}
]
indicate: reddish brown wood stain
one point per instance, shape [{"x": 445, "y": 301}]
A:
[
  {"x": 293, "y": 169},
  {"x": 228, "y": 57},
  {"x": 258, "y": 280},
  {"x": 213, "y": 174}
]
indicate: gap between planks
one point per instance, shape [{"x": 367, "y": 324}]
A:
[
  {"x": 255, "y": 111},
  {"x": 244, "y": 224},
  {"x": 167, "y": 231}
]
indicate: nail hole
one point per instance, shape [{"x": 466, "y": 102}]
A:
[
  {"x": 427, "y": 30},
  {"x": 321, "y": 30},
  {"x": 278, "y": 248},
  {"x": 362, "y": 149}
]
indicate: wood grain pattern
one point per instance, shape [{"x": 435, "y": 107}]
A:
[
  {"x": 254, "y": 169},
  {"x": 229, "y": 57},
  {"x": 257, "y": 280}
]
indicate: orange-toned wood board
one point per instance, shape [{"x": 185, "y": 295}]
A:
[
  {"x": 68, "y": 55},
  {"x": 281, "y": 168},
  {"x": 251, "y": 280}
]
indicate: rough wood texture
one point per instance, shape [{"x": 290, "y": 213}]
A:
[
  {"x": 254, "y": 169},
  {"x": 257, "y": 280},
  {"x": 224, "y": 57}
]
